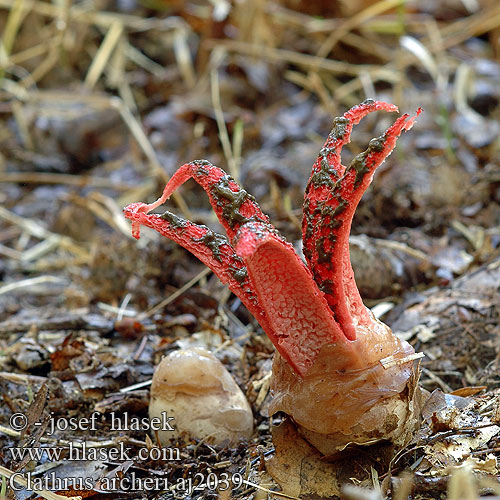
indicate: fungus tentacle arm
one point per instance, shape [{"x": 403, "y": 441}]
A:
[
  {"x": 356, "y": 179},
  {"x": 329, "y": 160},
  {"x": 331, "y": 198},
  {"x": 301, "y": 320},
  {"x": 213, "y": 249},
  {"x": 231, "y": 203},
  {"x": 302, "y": 309}
]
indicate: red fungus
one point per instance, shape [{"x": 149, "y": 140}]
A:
[{"x": 328, "y": 369}]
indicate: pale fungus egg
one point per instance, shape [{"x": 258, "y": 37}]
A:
[{"x": 194, "y": 387}]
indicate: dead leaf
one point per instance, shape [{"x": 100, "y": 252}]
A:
[
  {"x": 301, "y": 471},
  {"x": 468, "y": 391},
  {"x": 297, "y": 467}
]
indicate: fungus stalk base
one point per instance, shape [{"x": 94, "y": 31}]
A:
[{"x": 340, "y": 402}]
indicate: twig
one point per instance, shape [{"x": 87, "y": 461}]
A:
[
  {"x": 176, "y": 294},
  {"x": 403, "y": 247},
  {"x": 64, "y": 443},
  {"x": 271, "y": 492},
  {"x": 22, "y": 378},
  {"x": 438, "y": 380},
  {"x": 140, "y": 349},
  {"x": 391, "y": 361},
  {"x": 139, "y": 385},
  {"x": 44, "y": 493},
  {"x": 39, "y": 280}
]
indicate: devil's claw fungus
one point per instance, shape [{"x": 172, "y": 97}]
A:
[
  {"x": 194, "y": 387},
  {"x": 329, "y": 373}
]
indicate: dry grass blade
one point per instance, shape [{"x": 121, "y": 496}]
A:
[
  {"x": 137, "y": 57},
  {"x": 369, "y": 46},
  {"x": 44, "y": 67},
  {"x": 16, "y": 15},
  {"x": 117, "y": 77},
  {"x": 474, "y": 235},
  {"x": 368, "y": 84},
  {"x": 10, "y": 253},
  {"x": 67, "y": 179},
  {"x": 354, "y": 21},
  {"x": 320, "y": 89},
  {"x": 183, "y": 57},
  {"x": 139, "y": 385},
  {"x": 221, "y": 124},
  {"x": 24, "y": 132},
  {"x": 403, "y": 247},
  {"x": 463, "y": 77},
  {"x": 106, "y": 209},
  {"x": 31, "y": 282},
  {"x": 346, "y": 93},
  {"x": 60, "y": 27},
  {"x": 40, "y": 249},
  {"x": 412, "y": 45},
  {"x": 99, "y": 18},
  {"x": 26, "y": 55},
  {"x": 147, "y": 148},
  {"x": 38, "y": 231},
  {"x": 13, "y": 24},
  {"x": 14, "y": 21},
  {"x": 22, "y": 379},
  {"x": 482, "y": 22},
  {"x": 9, "y": 432},
  {"x": 14, "y": 89},
  {"x": 392, "y": 361},
  {"x": 103, "y": 54},
  {"x": 283, "y": 55},
  {"x": 175, "y": 295},
  {"x": 237, "y": 143},
  {"x": 437, "y": 380},
  {"x": 270, "y": 492}
]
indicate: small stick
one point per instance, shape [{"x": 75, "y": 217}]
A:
[
  {"x": 49, "y": 495},
  {"x": 176, "y": 294},
  {"x": 391, "y": 361}
]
